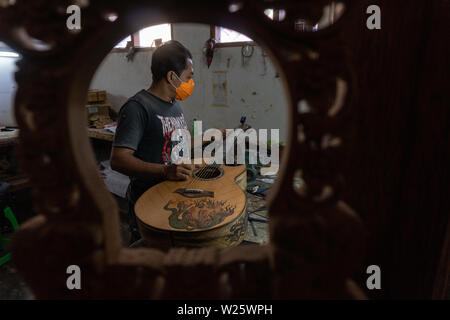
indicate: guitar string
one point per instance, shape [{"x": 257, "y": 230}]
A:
[
  {"x": 201, "y": 174},
  {"x": 195, "y": 178},
  {"x": 189, "y": 183},
  {"x": 204, "y": 173}
]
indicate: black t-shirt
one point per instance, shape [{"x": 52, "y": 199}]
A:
[{"x": 146, "y": 124}]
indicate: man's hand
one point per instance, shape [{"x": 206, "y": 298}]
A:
[
  {"x": 124, "y": 161},
  {"x": 178, "y": 171}
]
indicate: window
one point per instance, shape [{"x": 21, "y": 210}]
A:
[
  {"x": 148, "y": 37},
  {"x": 123, "y": 43},
  {"x": 226, "y": 37}
]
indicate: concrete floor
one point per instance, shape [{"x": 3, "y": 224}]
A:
[
  {"x": 12, "y": 287},
  {"x": 260, "y": 232}
]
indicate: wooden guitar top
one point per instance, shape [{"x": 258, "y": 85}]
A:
[{"x": 163, "y": 208}]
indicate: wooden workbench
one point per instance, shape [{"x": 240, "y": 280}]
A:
[
  {"x": 8, "y": 138},
  {"x": 101, "y": 134}
]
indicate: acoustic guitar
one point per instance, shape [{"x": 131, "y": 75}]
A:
[{"x": 208, "y": 209}]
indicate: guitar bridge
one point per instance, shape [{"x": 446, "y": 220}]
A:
[{"x": 194, "y": 193}]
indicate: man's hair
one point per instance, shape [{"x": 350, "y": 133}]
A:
[{"x": 171, "y": 56}]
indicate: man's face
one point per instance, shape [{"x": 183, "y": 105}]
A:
[
  {"x": 188, "y": 73},
  {"x": 185, "y": 76}
]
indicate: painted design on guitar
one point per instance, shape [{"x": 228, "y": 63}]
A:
[
  {"x": 238, "y": 230},
  {"x": 197, "y": 214}
]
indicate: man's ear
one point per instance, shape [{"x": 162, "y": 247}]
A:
[{"x": 169, "y": 76}]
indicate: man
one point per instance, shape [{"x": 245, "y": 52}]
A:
[{"x": 142, "y": 145}]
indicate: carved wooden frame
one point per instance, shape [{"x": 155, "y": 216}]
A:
[{"x": 316, "y": 239}]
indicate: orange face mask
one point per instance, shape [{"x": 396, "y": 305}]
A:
[{"x": 185, "y": 89}]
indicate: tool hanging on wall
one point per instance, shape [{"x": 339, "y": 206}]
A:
[
  {"x": 246, "y": 52},
  {"x": 158, "y": 42},
  {"x": 210, "y": 46},
  {"x": 264, "y": 56},
  {"x": 131, "y": 51}
]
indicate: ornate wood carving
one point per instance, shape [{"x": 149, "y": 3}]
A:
[{"x": 316, "y": 239}]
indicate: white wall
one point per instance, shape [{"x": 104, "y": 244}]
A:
[
  {"x": 7, "y": 89},
  {"x": 253, "y": 90}
]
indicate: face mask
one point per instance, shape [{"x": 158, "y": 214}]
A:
[{"x": 185, "y": 89}]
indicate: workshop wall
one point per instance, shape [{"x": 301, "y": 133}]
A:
[
  {"x": 7, "y": 89},
  {"x": 251, "y": 87}
]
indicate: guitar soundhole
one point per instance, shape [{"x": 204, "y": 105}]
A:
[{"x": 208, "y": 173}]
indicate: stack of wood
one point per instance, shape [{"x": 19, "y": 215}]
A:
[
  {"x": 99, "y": 121},
  {"x": 98, "y": 109}
]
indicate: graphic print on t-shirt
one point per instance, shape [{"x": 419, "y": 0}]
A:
[{"x": 169, "y": 125}]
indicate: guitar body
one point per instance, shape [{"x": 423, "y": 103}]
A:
[{"x": 208, "y": 209}]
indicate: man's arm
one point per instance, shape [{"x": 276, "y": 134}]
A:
[
  {"x": 124, "y": 161},
  {"x": 130, "y": 129}
]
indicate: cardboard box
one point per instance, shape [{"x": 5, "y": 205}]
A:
[
  {"x": 102, "y": 109},
  {"x": 99, "y": 114},
  {"x": 96, "y": 96}
]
